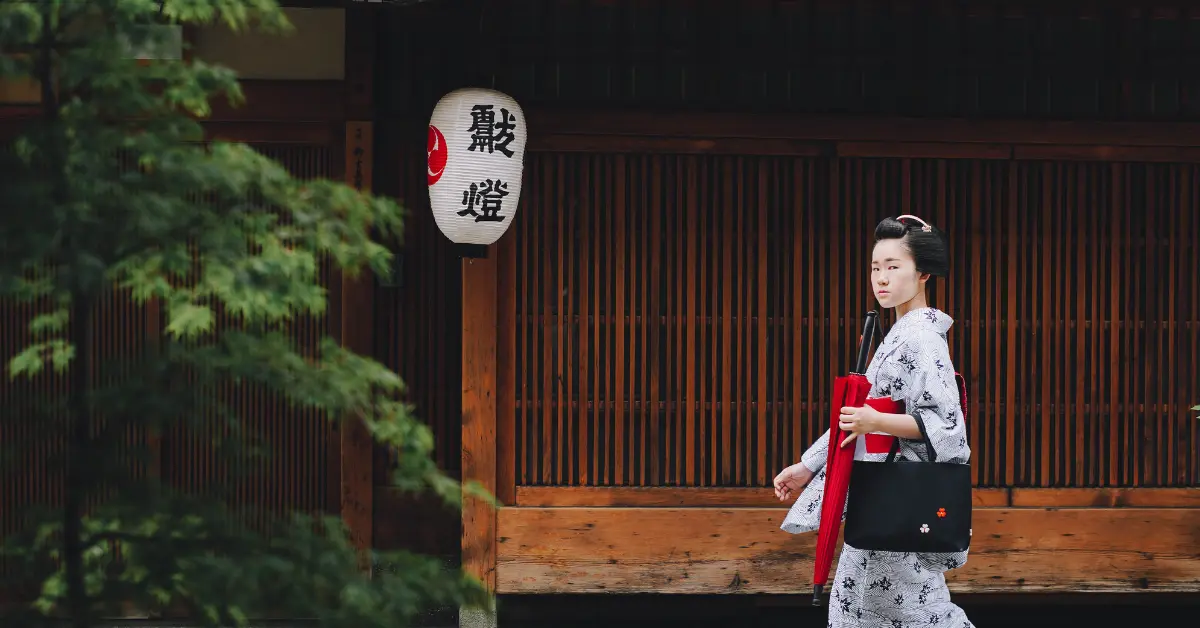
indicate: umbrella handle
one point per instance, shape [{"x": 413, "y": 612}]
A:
[{"x": 864, "y": 347}]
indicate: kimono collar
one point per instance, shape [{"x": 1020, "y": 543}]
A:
[{"x": 929, "y": 318}]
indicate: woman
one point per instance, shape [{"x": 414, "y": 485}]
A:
[{"x": 912, "y": 365}]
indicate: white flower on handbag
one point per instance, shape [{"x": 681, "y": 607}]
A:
[{"x": 924, "y": 528}]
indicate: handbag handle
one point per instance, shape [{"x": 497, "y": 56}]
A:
[{"x": 929, "y": 450}]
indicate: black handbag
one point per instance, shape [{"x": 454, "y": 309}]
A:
[{"x": 909, "y": 505}]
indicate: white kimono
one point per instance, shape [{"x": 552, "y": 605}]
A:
[{"x": 891, "y": 589}]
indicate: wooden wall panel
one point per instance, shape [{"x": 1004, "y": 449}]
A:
[
  {"x": 418, "y": 334},
  {"x": 32, "y": 434},
  {"x": 743, "y": 551},
  {"x": 679, "y": 318},
  {"x": 295, "y": 477}
]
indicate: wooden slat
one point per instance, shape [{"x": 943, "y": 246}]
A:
[
  {"x": 507, "y": 381},
  {"x": 547, "y": 380},
  {"x": 721, "y": 550},
  {"x": 1012, "y": 366},
  {"x": 576, "y": 497}
]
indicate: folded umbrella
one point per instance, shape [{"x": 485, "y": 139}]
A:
[{"x": 848, "y": 391}]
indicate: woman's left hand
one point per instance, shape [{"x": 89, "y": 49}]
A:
[{"x": 857, "y": 421}]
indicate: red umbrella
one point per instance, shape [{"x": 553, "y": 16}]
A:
[{"x": 848, "y": 391}]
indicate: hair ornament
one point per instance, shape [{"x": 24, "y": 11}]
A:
[{"x": 924, "y": 225}]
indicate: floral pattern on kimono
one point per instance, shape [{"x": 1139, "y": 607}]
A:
[{"x": 893, "y": 589}]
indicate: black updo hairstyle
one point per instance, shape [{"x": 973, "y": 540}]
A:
[{"x": 927, "y": 244}]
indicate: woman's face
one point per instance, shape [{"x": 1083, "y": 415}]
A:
[{"x": 894, "y": 276}]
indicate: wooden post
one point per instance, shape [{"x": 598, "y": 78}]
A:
[
  {"x": 357, "y": 293},
  {"x": 479, "y": 424},
  {"x": 357, "y": 326}
]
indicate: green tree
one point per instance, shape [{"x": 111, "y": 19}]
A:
[{"x": 112, "y": 188}]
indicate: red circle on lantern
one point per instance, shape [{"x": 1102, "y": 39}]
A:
[{"x": 435, "y": 150}]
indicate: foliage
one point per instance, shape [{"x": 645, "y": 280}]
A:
[{"x": 111, "y": 190}]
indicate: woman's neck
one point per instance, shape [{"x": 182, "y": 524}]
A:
[{"x": 915, "y": 303}]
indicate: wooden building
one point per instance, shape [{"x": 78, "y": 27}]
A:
[
  {"x": 656, "y": 335},
  {"x": 687, "y": 275}
]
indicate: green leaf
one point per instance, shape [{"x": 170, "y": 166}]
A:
[
  {"x": 188, "y": 320},
  {"x": 32, "y": 359},
  {"x": 53, "y": 322}
]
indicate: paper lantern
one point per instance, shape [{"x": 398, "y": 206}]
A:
[{"x": 475, "y": 157}]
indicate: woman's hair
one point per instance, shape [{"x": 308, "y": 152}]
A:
[{"x": 927, "y": 244}]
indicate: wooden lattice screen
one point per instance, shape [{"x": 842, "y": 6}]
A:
[
  {"x": 677, "y": 320},
  {"x": 294, "y": 478},
  {"x": 418, "y": 320}
]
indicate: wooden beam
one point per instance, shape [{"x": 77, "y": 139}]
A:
[
  {"x": 660, "y": 497},
  {"x": 551, "y": 122},
  {"x": 683, "y": 497},
  {"x": 357, "y": 304},
  {"x": 713, "y": 550},
  {"x": 925, "y": 150},
  {"x": 569, "y": 143},
  {"x": 266, "y": 101},
  {"x": 357, "y": 292},
  {"x": 479, "y": 414},
  {"x": 1134, "y": 142},
  {"x": 311, "y": 133},
  {"x": 597, "y": 143},
  {"x": 280, "y": 100},
  {"x": 1170, "y": 154},
  {"x": 1106, "y": 498}
]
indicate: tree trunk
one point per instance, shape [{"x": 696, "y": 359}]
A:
[
  {"x": 78, "y": 450},
  {"x": 79, "y": 433}
]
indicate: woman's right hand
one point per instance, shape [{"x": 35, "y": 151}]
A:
[{"x": 792, "y": 480}]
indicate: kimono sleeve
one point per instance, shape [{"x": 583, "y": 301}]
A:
[
  {"x": 805, "y": 513},
  {"x": 815, "y": 456}
]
